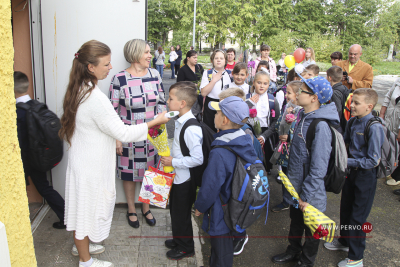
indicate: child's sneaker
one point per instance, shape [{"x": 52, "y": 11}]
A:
[
  {"x": 280, "y": 207},
  {"x": 93, "y": 249},
  {"x": 99, "y": 263},
  {"x": 336, "y": 245},
  {"x": 239, "y": 246},
  {"x": 350, "y": 263}
]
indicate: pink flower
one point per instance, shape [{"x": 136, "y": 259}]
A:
[
  {"x": 253, "y": 113},
  {"x": 251, "y": 64},
  {"x": 290, "y": 118}
]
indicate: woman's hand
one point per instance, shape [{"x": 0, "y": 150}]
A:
[
  {"x": 119, "y": 148},
  {"x": 166, "y": 161},
  {"x": 161, "y": 119},
  {"x": 261, "y": 140},
  {"x": 283, "y": 138},
  {"x": 255, "y": 98}
]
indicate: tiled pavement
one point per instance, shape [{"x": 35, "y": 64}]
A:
[{"x": 125, "y": 247}]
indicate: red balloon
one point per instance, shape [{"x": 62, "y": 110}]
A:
[{"x": 299, "y": 55}]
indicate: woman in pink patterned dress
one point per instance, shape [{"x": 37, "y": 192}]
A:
[{"x": 137, "y": 95}]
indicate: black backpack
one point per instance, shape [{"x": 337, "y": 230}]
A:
[
  {"x": 45, "y": 146},
  {"x": 196, "y": 173},
  {"x": 250, "y": 194},
  {"x": 337, "y": 167}
]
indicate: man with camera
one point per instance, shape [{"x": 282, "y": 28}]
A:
[{"x": 356, "y": 73}]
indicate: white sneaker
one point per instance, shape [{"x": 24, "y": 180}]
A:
[
  {"x": 93, "y": 249},
  {"x": 100, "y": 263},
  {"x": 350, "y": 263},
  {"x": 336, "y": 245}
]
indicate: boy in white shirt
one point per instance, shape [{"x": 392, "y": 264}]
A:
[
  {"x": 182, "y": 96},
  {"x": 240, "y": 74}
]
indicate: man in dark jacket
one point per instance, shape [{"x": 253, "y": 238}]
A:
[
  {"x": 39, "y": 179},
  {"x": 232, "y": 114},
  {"x": 340, "y": 92}
]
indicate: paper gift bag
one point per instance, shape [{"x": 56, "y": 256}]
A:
[{"x": 156, "y": 187}]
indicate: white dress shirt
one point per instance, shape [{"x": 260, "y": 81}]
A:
[
  {"x": 23, "y": 99},
  {"x": 245, "y": 87},
  {"x": 218, "y": 87},
  {"x": 194, "y": 139}
]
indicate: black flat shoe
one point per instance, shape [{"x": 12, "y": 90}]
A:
[
  {"x": 396, "y": 192},
  {"x": 134, "y": 224},
  {"x": 176, "y": 254},
  {"x": 170, "y": 243},
  {"x": 59, "y": 225},
  {"x": 150, "y": 222},
  {"x": 285, "y": 257}
]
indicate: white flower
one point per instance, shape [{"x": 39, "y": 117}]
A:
[
  {"x": 159, "y": 189},
  {"x": 146, "y": 195}
]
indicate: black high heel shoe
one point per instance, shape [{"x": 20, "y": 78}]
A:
[
  {"x": 150, "y": 222},
  {"x": 134, "y": 224}
]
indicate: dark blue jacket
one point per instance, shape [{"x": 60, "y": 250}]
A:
[{"x": 217, "y": 178}]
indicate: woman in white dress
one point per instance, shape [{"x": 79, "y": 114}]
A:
[{"x": 91, "y": 126}]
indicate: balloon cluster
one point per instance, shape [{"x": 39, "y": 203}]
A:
[{"x": 298, "y": 56}]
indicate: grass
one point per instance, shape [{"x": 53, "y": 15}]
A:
[{"x": 380, "y": 68}]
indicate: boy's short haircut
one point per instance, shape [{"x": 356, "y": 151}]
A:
[
  {"x": 215, "y": 52},
  {"x": 295, "y": 85},
  {"x": 370, "y": 96},
  {"x": 337, "y": 55},
  {"x": 21, "y": 82},
  {"x": 240, "y": 66},
  {"x": 265, "y": 47},
  {"x": 231, "y": 50},
  {"x": 313, "y": 68},
  {"x": 336, "y": 73},
  {"x": 185, "y": 91},
  {"x": 263, "y": 63},
  {"x": 291, "y": 75},
  {"x": 235, "y": 125},
  {"x": 302, "y": 74},
  {"x": 232, "y": 92}
]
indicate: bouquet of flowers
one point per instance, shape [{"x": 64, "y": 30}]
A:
[
  {"x": 254, "y": 122},
  {"x": 159, "y": 139},
  {"x": 320, "y": 225}
]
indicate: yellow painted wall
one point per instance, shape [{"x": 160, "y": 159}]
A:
[{"x": 14, "y": 212}]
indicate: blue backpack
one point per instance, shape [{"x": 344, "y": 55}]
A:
[
  {"x": 256, "y": 143},
  {"x": 250, "y": 194}
]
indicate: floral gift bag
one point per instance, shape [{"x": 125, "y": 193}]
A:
[{"x": 156, "y": 187}]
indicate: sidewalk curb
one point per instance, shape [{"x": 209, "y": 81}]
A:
[{"x": 197, "y": 243}]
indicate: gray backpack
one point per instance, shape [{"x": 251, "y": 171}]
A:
[
  {"x": 390, "y": 149},
  {"x": 250, "y": 194}
]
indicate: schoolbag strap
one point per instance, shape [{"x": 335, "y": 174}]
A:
[
  {"x": 370, "y": 122},
  {"x": 311, "y": 132},
  {"x": 271, "y": 99},
  {"x": 182, "y": 143},
  {"x": 228, "y": 148}
]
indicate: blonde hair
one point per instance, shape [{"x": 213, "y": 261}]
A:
[
  {"x": 134, "y": 50},
  {"x": 295, "y": 85},
  {"x": 370, "y": 95},
  {"x": 256, "y": 77},
  {"x": 232, "y": 92},
  {"x": 215, "y": 52},
  {"x": 312, "y": 54}
]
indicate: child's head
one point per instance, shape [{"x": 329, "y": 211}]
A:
[
  {"x": 265, "y": 50},
  {"x": 363, "y": 102},
  {"x": 313, "y": 70},
  {"x": 182, "y": 96},
  {"x": 335, "y": 57},
  {"x": 314, "y": 92},
  {"x": 232, "y": 92},
  {"x": 219, "y": 59},
  {"x": 334, "y": 74},
  {"x": 240, "y": 73},
  {"x": 263, "y": 63},
  {"x": 291, "y": 91},
  {"x": 21, "y": 83},
  {"x": 232, "y": 113},
  {"x": 310, "y": 55},
  {"x": 260, "y": 83}
]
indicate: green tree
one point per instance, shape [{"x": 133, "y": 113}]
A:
[{"x": 324, "y": 46}]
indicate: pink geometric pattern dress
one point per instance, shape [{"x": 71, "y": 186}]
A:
[{"x": 137, "y": 100}]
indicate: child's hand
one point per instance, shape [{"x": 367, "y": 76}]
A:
[
  {"x": 283, "y": 138},
  {"x": 197, "y": 213},
  {"x": 166, "y": 161},
  {"x": 217, "y": 76},
  {"x": 255, "y": 98},
  {"x": 302, "y": 205},
  {"x": 289, "y": 110},
  {"x": 261, "y": 140}
]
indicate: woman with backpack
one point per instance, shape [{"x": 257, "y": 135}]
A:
[
  {"x": 90, "y": 126},
  {"x": 159, "y": 56},
  {"x": 390, "y": 112}
]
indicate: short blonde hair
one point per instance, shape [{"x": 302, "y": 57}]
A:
[
  {"x": 215, "y": 52},
  {"x": 370, "y": 95},
  {"x": 134, "y": 50},
  {"x": 257, "y": 76},
  {"x": 232, "y": 92}
]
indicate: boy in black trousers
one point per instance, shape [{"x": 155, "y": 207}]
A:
[{"x": 359, "y": 189}]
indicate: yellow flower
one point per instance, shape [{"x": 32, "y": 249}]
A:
[{"x": 159, "y": 180}]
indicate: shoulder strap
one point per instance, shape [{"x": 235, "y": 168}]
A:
[
  {"x": 311, "y": 132},
  {"x": 23, "y": 106},
  {"x": 271, "y": 101},
  {"x": 228, "y": 148},
  {"x": 371, "y": 122},
  {"x": 182, "y": 143},
  {"x": 209, "y": 71}
]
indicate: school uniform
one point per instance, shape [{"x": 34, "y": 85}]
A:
[
  {"x": 359, "y": 189},
  {"x": 182, "y": 194},
  {"x": 245, "y": 87},
  {"x": 208, "y": 114}
]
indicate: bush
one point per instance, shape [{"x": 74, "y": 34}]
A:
[
  {"x": 324, "y": 46},
  {"x": 281, "y": 43},
  {"x": 206, "y": 50}
]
